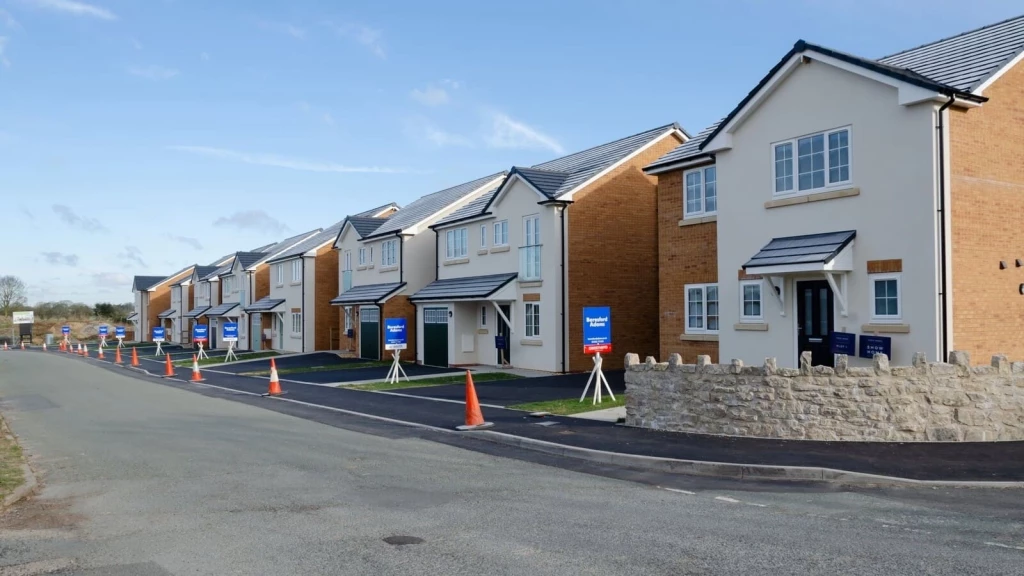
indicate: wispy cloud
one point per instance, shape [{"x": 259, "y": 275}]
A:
[
  {"x": 186, "y": 240},
  {"x": 59, "y": 258},
  {"x": 136, "y": 44},
  {"x": 430, "y": 96},
  {"x": 131, "y": 257},
  {"x": 251, "y": 220},
  {"x": 285, "y": 28},
  {"x": 442, "y": 138},
  {"x": 28, "y": 214},
  {"x": 371, "y": 38},
  {"x": 153, "y": 72},
  {"x": 7, "y": 20},
  {"x": 71, "y": 218},
  {"x": 3, "y": 53},
  {"x": 282, "y": 161},
  {"x": 508, "y": 133},
  {"x": 74, "y": 8},
  {"x": 110, "y": 278}
]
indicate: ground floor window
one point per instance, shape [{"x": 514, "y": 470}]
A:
[
  {"x": 348, "y": 318},
  {"x": 701, "y": 308},
  {"x": 483, "y": 316},
  {"x": 885, "y": 291},
  {"x": 533, "y": 319},
  {"x": 296, "y": 322},
  {"x": 751, "y": 306}
]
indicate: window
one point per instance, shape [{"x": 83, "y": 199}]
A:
[
  {"x": 885, "y": 296},
  {"x": 348, "y": 260},
  {"x": 483, "y": 236},
  {"x": 457, "y": 241},
  {"x": 533, "y": 319},
  {"x": 280, "y": 274},
  {"x": 348, "y": 318},
  {"x": 531, "y": 229},
  {"x": 702, "y": 308},
  {"x": 751, "y": 306},
  {"x": 501, "y": 233},
  {"x": 362, "y": 256},
  {"x": 296, "y": 322},
  {"x": 296, "y": 271},
  {"x": 701, "y": 192},
  {"x": 822, "y": 161},
  {"x": 389, "y": 253},
  {"x": 483, "y": 316}
]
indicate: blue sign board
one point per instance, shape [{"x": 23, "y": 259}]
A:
[
  {"x": 230, "y": 332},
  {"x": 597, "y": 329},
  {"x": 395, "y": 334},
  {"x": 843, "y": 343},
  {"x": 65, "y": 329},
  {"x": 500, "y": 343},
  {"x": 200, "y": 333},
  {"x": 871, "y": 345},
  {"x": 119, "y": 332},
  {"x": 158, "y": 334},
  {"x": 104, "y": 330}
]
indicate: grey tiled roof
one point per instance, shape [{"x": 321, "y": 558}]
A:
[
  {"x": 966, "y": 60},
  {"x": 377, "y": 210},
  {"x": 327, "y": 235},
  {"x": 807, "y": 249},
  {"x": 247, "y": 259},
  {"x": 463, "y": 288},
  {"x": 475, "y": 208},
  {"x": 167, "y": 313},
  {"x": 196, "y": 312},
  {"x": 367, "y": 294},
  {"x": 222, "y": 260},
  {"x": 365, "y": 225},
  {"x": 220, "y": 310},
  {"x": 283, "y": 245},
  {"x": 548, "y": 182},
  {"x": 431, "y": 204},
  {"x": 264, "y": 248},
  {"x": 264, "y": 304},
  {"x": 217, "y": 273},
  {"x": 202, "y": 272},
  {"x": 141, "y": 283},
  {"x": 688, "y": 150}
]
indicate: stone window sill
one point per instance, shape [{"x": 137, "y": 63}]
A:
[
  {"x": 531, "y": 342},
  {"x": 456, "y": 261},
  {"x": 295, "y": 283},
  {"x": 361, "y": 267},
  {"x": 384, "y": 269},
  {"x": 751, "y": 326},
  {"x": 886, "y": 328},
  {"x": 296, "y": 336},
  {"x": 482, "y": 252},
  {"x": 530, "y": 283},
  {"x": 699, "y": 337},
  {"x": 699, "y": 220},
  {"x": 497, "y": 249},
  {"x": 481, "y": 331},
  {"x": 815, "y": 197}
]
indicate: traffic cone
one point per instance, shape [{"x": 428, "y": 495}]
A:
[
  {"x": 22, "y": 344},
  {"x": 168, "y": 368},
  {"x": 117, "y": 356},
  {"x": 275, "y": 384},
  {"x": 196, "y": 376},
  {"x": 44, "y": 346},
  {"x": 100, "y": 354},
  {"x": 85, "y": 350},
  {"x": 135, "y": 357},
  {"x": 474, "y": 417},
  {"x": 5, "y": 346}
]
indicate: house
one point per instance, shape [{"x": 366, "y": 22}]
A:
[
  {"x": 876, "y": 198},
  {"x": 181, "y": 298},
  {"x": 383, "y": 262},
  {"x": 204, "y": 295},
  {"x": 152, "y": 296},
  {"x": 522, "y": 261},
  {"x": 235, "y": 291}
]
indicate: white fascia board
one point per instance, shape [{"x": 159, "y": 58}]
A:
[
  {"x": 681, "y": 165},
  {"x": 507, "y": 185},
  {"x": 465, "y": 222},
  {"x": 568, "y": 195},
  {"x": 418, "y": 227},
  {"x": 980, "y": 90}
]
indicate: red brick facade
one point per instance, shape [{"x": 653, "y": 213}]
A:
[{"x": 326, "y": 331}]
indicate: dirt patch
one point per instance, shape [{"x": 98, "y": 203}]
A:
[
  {"x": 12, "y": 473},
  {"x": 41, "y": 514}
]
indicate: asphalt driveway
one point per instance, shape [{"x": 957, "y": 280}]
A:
[
  {"x": 363, "y": 374},
  {"x": 524, "y": 390},
  {"x": 288, "y": 362}
]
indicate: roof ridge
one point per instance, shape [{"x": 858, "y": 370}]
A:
[
  {"x": 947, "y": 38},
  {"x": 603, "y": 144}
]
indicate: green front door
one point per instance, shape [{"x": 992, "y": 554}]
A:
[
  {"x": 435, "y": 337},
  {"x": 369, "y": 332}
]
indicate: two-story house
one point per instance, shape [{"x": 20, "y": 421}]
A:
[
  {"x": 205, "y": 295},
  {"x": 524, "y": 260},
  {"x": 181, "y": 300},
  {"x": 872, "y": 197},
  {"x": 382, "y": 264},
  {"x": 152, "y": 298},
  {"x": 235, "y": 290}
]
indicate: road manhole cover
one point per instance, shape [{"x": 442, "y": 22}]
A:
[{"x": 403, "y": 540}]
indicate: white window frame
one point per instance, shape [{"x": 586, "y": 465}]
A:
[
  {"x": 704, "y": 308},
  {"x": 483, "y": 236},
  {"x": 534, "y": 239},
  {"x": 297, "y": 271},
  {"x": 898, "y": 277},
  {"x": 482, "y": 316},
  {"x": 362, "y": 256},
  {"x": 348, "y": 318},
  {"x": 501, "y": 233},
  {"x": 532, "y": 330},
  {"x": 795, "y": 159},
  {"x": 456, "y": 241},
  {"x": 743, "y": 315},
  {"x": 703, "y": 211},
  {"x": 297, "y": 318},
  {"x": 389, "y": 252},
  {"x": 280, "y": 273},
  {"x": 348, "y": 261}
]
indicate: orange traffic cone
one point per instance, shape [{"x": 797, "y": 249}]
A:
[
  {"x": 85, "y": 350},
  {"x": 22, "y": 344},
  {"x": 135, "y": 357},
  {"x": 275, "y": 384},
  {"x": 117, "y": 356},
  {"x": 100, "y": 354},
  {"x": 474, "y": 417},
  {"x": 196, "y": 376},
  {"x": 44, "y": 346},
  {"x": 168, "y": 368}
]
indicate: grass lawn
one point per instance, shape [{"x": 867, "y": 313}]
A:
[
  {"x": 10, "y": 466},
  {"x": 220, "y": 359},
  {"x": 305, "y": 369},
  {"x": 439, "y": 381},
  {"x": 571, "y": 405}
]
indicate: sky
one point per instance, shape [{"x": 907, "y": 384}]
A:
[{"x": 142, "y": 136}]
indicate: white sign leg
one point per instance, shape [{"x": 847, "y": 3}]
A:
[
  {"x": 396, "y": 371},
  {"x": 159, "y": 349},
  {"x": 598, "y": 379},
  {"x": 231, "y": 353},
  {"x": 202, "y": 353}
]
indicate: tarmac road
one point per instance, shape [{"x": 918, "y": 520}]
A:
[{"x": 146, "y": 479}]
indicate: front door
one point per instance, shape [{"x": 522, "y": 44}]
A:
[
  {"x": 257, "y": 331},
  {"x": 435, "y": 337},
  {"x": 369, "y": 332},
  {"x": 814, "y": 318},
  {"x": 506, "y": 333}
]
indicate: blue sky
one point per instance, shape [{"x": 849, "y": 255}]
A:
[{"x": 140, "y": 136}]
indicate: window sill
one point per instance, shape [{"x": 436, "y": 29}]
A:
[
  {"x": 699, "y": 337},
  {"x": 497, "y": 249},
  {"x": 886, "y": 328},
  {"x": 751, "y": 326},
  {"x": 530, "y": 283},
  {"x": 482, "y": 331},
  {"x": 813, "y": 197},
  {"x": 456, "y": 261},
  {"x": 482, "y": 252},
  {"x": 531, "y": 342},
  {"x": 296, "y": 336},
  {"x": 295, "y": 283},
  {"x": 384, "y": 269},
  {"x": 693, "y": 221},
  {"x": 361, "y": 267}
]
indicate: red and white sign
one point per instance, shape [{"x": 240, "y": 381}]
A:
[{"x": 597, "y": 348}]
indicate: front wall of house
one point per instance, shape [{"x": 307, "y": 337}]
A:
[
  {"x": 893, "y": 166},
  {"x": 325, "y": 287},
  {"x": 291, "y": 293},
  {"x": 176, "y": 304},
  {"x": 987, "y": 200}
]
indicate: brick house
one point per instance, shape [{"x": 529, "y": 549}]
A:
[
  {"x": 382, "y": 263},
  {"x": 152, "y": 298},
  {"x": 523, "y": 260},
  {"x": 872, "y": 198}
]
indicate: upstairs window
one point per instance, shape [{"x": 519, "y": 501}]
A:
[
  {"x": 457, "y": 241},
  {"x": 297, "y": 270},
  {"x": 501, "y": 233},
  {"x": 822, "y": 161},
  {"x": 280, "y": 274},
  {"x": 700, "y": 195},
  {"x": 362, "y": 256},
  {"x": 389, "y": 253},
  {"x": 483, "y": 236}
]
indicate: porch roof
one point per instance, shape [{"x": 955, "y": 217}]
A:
[
  {"x": 367, "y": 294},
  {"x": 167, "y": 313},
  {"x": 196, "y": 312},
  {"x": 466, "y": 288},
  {"x": 132, "y": 317},
  {"x": 265, "y": 304},
  {"x": 222, "y": 310},
  {"x": 828, "y": 251}
]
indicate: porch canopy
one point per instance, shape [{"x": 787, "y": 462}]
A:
[
  {"x": 828, "y": 254},
  {"x": 132, "y": 317},
  {"x": 169, "y": 313},
  {"x": 266, "y": 305},
  {"x": 468, "y": 288},
  {"x": 228, "y": 309},
  {"x": 196, "y": 312},
  {"x": 367, "y": 294}
]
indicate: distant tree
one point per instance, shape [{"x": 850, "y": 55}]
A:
[
  {"x": 12, "y": 294},
  {"x": 104, "y": 309},
  {"x": 80, "y": 311}
]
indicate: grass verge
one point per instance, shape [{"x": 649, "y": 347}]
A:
[
  {"x": 220, "y": 359},
  {"x": 11, "y": 473},
  {"x": 570, "y": 405},
  {"x": 439, "y": 381}
]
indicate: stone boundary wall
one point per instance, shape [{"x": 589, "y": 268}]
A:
[{"x": 937, "y": 402}]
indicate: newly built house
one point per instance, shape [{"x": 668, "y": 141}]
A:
[{"x": 152, "y": 298}]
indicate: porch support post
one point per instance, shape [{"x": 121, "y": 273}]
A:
[
  {"x": 511, "y": 326},
  {"x": 840, "y": 294},
  {"x": 777, "y": 293}
]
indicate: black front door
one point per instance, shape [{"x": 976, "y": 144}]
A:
[
  {"x": 435, "y": 336},
  {"x": 814, "y": 319},
  {"x": 505, "y": 353}
]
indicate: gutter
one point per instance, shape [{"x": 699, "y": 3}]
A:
[
  {"x": 437, "y": 255},
  {"x": 401, "y": 257},
  {"x": 564, "y": 282},
  {"x": 943, "y": 297},
  {"x": 303, "y": 303}
]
